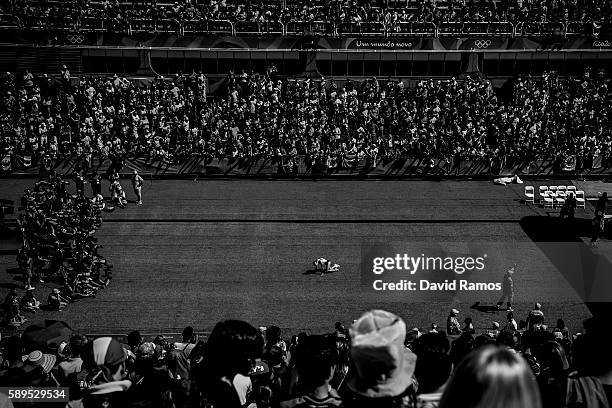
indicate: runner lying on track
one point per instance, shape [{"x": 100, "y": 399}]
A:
[{"x": 323, "y": 265}]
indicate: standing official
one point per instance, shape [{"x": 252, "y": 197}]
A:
[
  {"x": 79, "y": 180},
  {"x": 96, "y": 184},
  {"x": 507, "y": 289},
  {"x": 599, "y": 221},
  {"x": 569, "y": 208},
  {"x": 602, "y": 204},
  {"x": 137, "y": 183}
]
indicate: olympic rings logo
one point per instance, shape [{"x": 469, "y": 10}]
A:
[
  {"x": 482, "y": 43},
  {"x": 75, "y": 38}
]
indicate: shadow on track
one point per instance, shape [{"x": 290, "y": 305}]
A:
[
  {"x": 487, "y": 308},
  {"x": 316, "y": 272},
  {"x": 566, "y": 243}
]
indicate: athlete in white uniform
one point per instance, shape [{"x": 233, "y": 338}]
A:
[{"x": 323, "y": 266}]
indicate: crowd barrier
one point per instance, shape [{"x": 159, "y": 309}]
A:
[{"x": 15, "y": 165}]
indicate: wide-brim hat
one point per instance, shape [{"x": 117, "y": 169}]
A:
[
  {"x": 383, "y": 365},
  {"x": 38, "y": 358}
]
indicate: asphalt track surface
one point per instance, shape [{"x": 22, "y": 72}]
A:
[{"x": 200, "y": 251}]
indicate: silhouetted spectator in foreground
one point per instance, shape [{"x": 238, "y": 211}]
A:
[
  {"x": 492, "y": 377},
  {"x": 383, "y": 367},
  {"x": 230, "y": 351}
]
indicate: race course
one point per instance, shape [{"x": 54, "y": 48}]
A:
[{"x": 200, "y": 251}]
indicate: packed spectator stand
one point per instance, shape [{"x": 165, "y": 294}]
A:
[
  {"x": 330, "y": 18},
  {"x": 261, "y": 115},
  {"x": 378, "y": 362}
]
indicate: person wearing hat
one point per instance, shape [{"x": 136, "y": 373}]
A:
[
  {"x": 383, "y": 368},
  {"x": 104, "y": 360},
  {"x": 453, "y": 327},
  {"x": 507, "y": 289},
  {"x": 262, "y": 384},
  {"x": 37, "y": 360}
]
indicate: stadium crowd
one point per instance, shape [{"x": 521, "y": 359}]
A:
[
  {"x": 121, "y": 15},
  {"x": 378, "y": 362},
  {"x": 260, "y": 115}
]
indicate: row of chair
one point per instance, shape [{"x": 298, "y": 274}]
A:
[{"x": 554, "y": 196}]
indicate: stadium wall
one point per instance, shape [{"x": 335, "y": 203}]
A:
[
  {"x": 596, "y": 167},
  {"x": 418, "y": 57}
]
